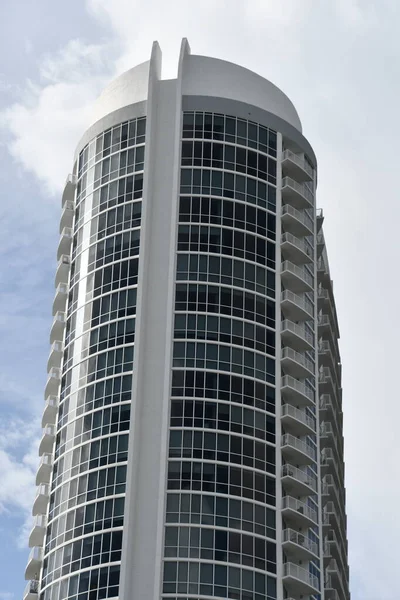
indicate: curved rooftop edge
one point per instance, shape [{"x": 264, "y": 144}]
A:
[{"x": 198, "y": 76}]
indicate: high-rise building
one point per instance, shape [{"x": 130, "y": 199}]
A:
[{"x": 192, "y": 444}]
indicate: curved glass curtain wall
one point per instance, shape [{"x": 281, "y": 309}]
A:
[
  {"x": 86, "y": 513},
  {"x": 220, "y": 507}
]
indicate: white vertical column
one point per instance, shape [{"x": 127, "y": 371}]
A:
[{"x": 141, "y": 569}]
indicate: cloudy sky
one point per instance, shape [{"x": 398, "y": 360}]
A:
[{"x": 339, "y": 61}]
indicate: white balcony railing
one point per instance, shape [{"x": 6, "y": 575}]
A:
[
  {"x": 299, "y": 215},
  {"x": 302, "y": 477},
  {"x": 290, "y": 503},
  {"x": 289, "y": 535},
  {"x": 300, "y": 445},
  {"x": 296, "y": 572},
  {"x": 299, "y": 160},
  {"x": 298, "y": 330},
  {"x": 298, "y": 415},
  {"x": 300, "y": 359}
]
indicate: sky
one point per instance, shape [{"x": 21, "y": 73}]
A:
[{"x": 339, "y": 62}]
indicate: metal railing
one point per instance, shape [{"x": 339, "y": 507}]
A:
[
  {"x": 299, "y": 160},
  {"x": 301, "y": 244},
  {"x": 299, "y": 475},
  {"x": 300, "y": 301},
  {"x": 301, "y": 507},
  {"x": 299, "y": 215},
  {"x": 297, "y": 357},
  {"x": 289, "y": 535},
  {"x": 299, "y": 415},
  {"x": 299, "y": 386},
  {"x": 300, "y": 272},
  {"x": 290, "y": 440},
  {"x": 299, "y": 330},
  {"x": 32, "y": 587},
  {"x": 292, "y": 570},
  {"x": 300, "y": 188}
]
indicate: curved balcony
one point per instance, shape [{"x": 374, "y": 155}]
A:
[
  {"x": 44, "y": 471},
  {"x": 296, "y": 307},
  {"x": 53, "y": 382},
  {"x": 34, "y": 563},
  {"x": 38, "y": 531},
  {"x": 47, "y": 440},
  {"x": 332, "y": 493},
  {"x": 298, "y": 513},
  {"x": 295, "y": 165},
  {"x": 31, "y": 591},
  {"x": 64, "y": 245},
  {"x": 296, "y": 221},
  {"x": 296, "y": 336},
  {"x": 57, "y": 328},
  {"x": 326, "y": 355},
  {"x": 55, "y": 356},
  {"x": 296, "y": 278},
  {"x": 298, "y": 580},
  {"x": 296, "y": 364},
  {"x": 67, "y": 215},
  {"x": 69, "y": 189},
  {"x": 50, "y": 411},
  {"x": 60, "y": 298},
  {"x": 297, "y": 451},
  {"x": 296, "y": 392},
  {"x": 297, "y": 420},
  {"x": 297, "y": 194},
  {"x": 298, "y": 482},
  {"x": 62, "y": 272},
  {"x": 296, "y": 249},
  {"x": 41, "y": 500},
  {"x": 298, "y": 546},
  {"x": 336, "y": 581},
  {"x": 331, "y": 593}
]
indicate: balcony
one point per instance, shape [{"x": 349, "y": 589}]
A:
[
  {"x": 296, "y": 392},
  {"x": 331, "y": 492},
  {"x": 64, "y": 245},
  {"x": 320, "y": 244},
  {"x": 327, "y": 356},
  {"x": 67, "y": 215},
  {"x": 41, "y": 500},
  {"x": 298, "y": 513},
  {"x": 297, "y": 420},
  {"x": 296, "y": 221},
  {"x": 296, "y": 307},
  {"x": 55, "y": 356},
  {"x": 53, "y": 382},
  {"x": 334, "y": 575},
  {"x": 57, "y": 328},
  {"x": 297, "y": 451},
  {"x": 62, "y": 272},
  {"x": 34, "y": 563},
  {"x": 298, "y": 546},
  {"x": 45, "y": 468},
  {"x": 69, "y": 189},
  {"x": 331, "y": 464},
  {"x": 296, "y": 278},
  {"x": 60, "y": 298},
  {"x": 320, "y": 218},
  {"x": 297, "y": 194},
  {"x": 298, "y": 482},
  {"x": 50, "y": 411},
  {"x": 327, "y": 383},
  {"x": 31, "y": 591},
  {"x": 295, "y": 165},
  {"x": 47, "y": 440},
  {"x": 331, "y": 593},
  {"x": 332, "y": 521},
  {"x": 298, "y": 250},
  {"x": 38, "y": 531},
  {"x": 296, "y": 364},
  {"x": 299, "y": 581},
  {"x": 296, "y": 336}
]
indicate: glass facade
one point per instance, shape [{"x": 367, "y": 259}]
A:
[
  {"x": 221, "y": 489},
  {"x": 82, "y": 553}
]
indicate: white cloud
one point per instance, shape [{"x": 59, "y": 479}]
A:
[{"x": 17, "y": 474}]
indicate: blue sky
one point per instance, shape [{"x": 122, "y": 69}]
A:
[{"x": 339, "y": 62}]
